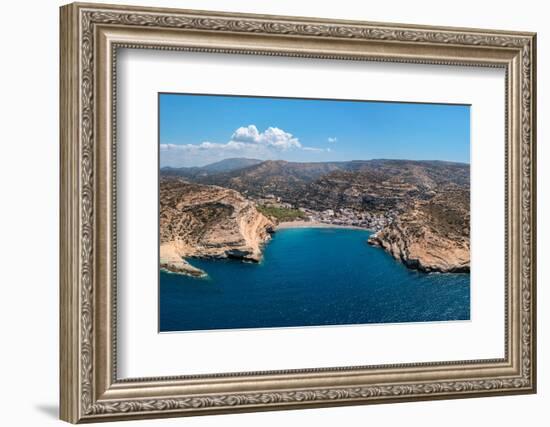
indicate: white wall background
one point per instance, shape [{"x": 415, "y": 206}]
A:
[{"x": 29, "y": 170}]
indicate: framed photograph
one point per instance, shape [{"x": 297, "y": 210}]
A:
[{"x": 266, "y": 212}]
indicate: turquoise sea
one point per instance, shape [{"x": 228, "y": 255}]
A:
[{"x": 310, "y": 277}]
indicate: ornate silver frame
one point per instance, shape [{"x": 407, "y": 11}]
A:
[{"x": 90, "y": 36}]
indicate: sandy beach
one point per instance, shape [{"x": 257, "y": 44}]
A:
[{"x": 313, "y": 224}]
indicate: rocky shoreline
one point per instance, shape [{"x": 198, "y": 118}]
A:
[
  {"x": 430, "y": 236},
  {"x": 208, "y": 222},
  {"x": 172, "y": 261},
  {"x": 418, "y": 258}
]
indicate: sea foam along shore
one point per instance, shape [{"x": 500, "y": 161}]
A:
[{"x": 315, "y": 224}]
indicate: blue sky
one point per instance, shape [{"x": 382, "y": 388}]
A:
[{"x": 199, "y": 129}]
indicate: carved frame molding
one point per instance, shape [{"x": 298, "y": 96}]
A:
[{"x": 90, "y": 36}]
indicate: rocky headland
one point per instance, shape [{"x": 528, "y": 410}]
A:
[
  {"x": 431, "y": 235},
  {"x": 207, "y": 221}
]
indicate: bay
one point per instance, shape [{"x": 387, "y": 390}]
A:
[{"x": 310, "y": 277}]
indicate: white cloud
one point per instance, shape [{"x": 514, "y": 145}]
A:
[
  {"x": 332, "y": 139},
  {"x": 246, "y": 141},
  {"x": 317, "y": 150},
  {"x": 180, "y": 155},
  {"x": 246, "y": 134},
  {"x": 272, "y": 137}
]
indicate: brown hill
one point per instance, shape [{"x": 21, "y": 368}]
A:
[
  {"x": 431, "y": 235},
  {"x": 207, "y": 221},
  {"x": 370, "y": 184}
]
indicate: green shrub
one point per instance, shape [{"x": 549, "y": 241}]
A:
[{"x": 281, "y": 214}]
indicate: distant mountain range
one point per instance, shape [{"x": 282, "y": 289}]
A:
[
  {"x": 225, "y": 165},
  {"x": 307, "y": 171}
]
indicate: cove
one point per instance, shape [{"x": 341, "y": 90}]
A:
[{"x": 310, "y": 277}]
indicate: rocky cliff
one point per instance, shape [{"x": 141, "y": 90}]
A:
[
  {"x": 209, "y": 222},
  {"x": 420, "y": 209},
  {"x": 431, "y": 235}
]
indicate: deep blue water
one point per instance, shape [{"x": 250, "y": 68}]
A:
[{"x": 310, "y": 277}]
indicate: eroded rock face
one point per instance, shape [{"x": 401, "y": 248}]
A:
[
  {"x": 431, "y": 235},
  {"x": 420, "y": 209},
  {"x": 209, "y": 222}
]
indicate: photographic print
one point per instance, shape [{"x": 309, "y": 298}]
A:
[{"x": 287, "y": 212}]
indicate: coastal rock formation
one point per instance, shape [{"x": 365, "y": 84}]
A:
[
  {"x": 172, "y": 260},
  {"x": 419, "y": 209},
  {"x": 209, "y": 222},
  {"x": 431, "y": 235}
]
